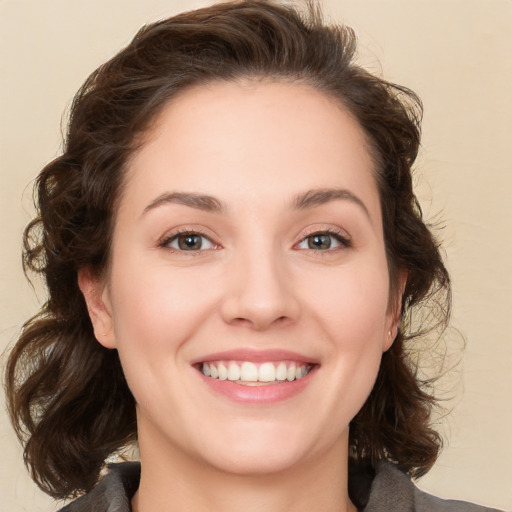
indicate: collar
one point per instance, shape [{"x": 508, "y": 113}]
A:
[{"x": 388, "y": 489}]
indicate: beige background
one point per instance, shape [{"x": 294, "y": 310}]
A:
[{"x": 455, "y": 53}]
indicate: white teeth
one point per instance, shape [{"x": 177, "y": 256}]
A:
[
  {"x": 267, "y": 372},
  {"x": 281, "y": 371},
  {"x": 223, "y": 372},
  {"x": 233, "y": 371},
  {"x": 249, "y": 372},
  {"x": 291, "y": 372}
]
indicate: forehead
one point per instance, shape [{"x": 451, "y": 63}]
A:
[{"x": 231, "y": 139}]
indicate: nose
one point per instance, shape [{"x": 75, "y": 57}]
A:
[{"x": 260, "y": 292}]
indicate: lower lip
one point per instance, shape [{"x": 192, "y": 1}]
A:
[{"x": 265, "y": 394}]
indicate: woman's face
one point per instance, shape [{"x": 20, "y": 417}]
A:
[{"x": 248, "y": 245}]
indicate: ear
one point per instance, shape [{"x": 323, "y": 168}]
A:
[
  {"x": 97, "y": 298},
  {"x": 394, "y": 314}
]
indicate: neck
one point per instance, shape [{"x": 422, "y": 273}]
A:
[{"x": 173, "y": 481}]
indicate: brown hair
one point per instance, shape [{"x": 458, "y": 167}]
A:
[{"x": 67, "y": 395}]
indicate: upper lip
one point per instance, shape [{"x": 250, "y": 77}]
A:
[{"x": 256, "y": 356}]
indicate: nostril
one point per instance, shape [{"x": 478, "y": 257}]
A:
[
  {"x": 258, "y": 298},
  {"x": 241, "y": 321}
]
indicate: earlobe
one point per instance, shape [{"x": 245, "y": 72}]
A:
[
  {"x": 389, "y": 338},
  {"x": 395, "y": 313},
  {"x": 97, "y": 298}
]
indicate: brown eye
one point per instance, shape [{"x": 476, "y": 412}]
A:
[
  {"x": 188, "y": 242},
  {"x": 319, "y": 241}
]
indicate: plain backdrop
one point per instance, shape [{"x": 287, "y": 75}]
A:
[{"x": 456, "y": 54}]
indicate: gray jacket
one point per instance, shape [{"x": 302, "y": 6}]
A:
[{"x": 389, "y": 490}]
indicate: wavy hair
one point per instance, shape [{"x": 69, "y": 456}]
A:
[{"x": 67, "y": 395}]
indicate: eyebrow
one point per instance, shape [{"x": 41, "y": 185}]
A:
[
  {"x": 198, "y": 201},
  {"x": 318, "y": 197},
  {"x": 309, "y": 199}
]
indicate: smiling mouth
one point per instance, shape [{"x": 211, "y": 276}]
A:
[{"x": 248, "y": 373}]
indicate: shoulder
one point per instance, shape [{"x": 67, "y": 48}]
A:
[
  {"x": 393, "y": 490},
  {"x": 113, "y": 493},
  {"x": 390, "y": 490}
]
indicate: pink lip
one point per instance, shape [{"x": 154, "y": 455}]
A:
[
  {"x": 255, "y": 356},
  {"x": 267, "y": 394}
]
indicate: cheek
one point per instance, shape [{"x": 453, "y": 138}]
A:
[
  {"x": 353, "y": 305},
  {"x": 352, "y": 312},
  {"x": 156, "y": 315},
  {"x": 156, "y": 311}
]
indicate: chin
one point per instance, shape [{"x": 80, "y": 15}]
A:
[
  {"x": 261, "y": 450},
  {"x": 254, "y": 461}
]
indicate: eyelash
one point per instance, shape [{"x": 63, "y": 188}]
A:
[
  {"x": 165, "y": 243},
  {"x": 338, "y": 236}
]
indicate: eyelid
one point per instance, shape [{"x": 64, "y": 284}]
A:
[
  {"x": 172, "y": 235},
  {"x": 337, "y": 233}
]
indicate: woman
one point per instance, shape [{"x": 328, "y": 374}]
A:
[{"x": 233, "y": 254}]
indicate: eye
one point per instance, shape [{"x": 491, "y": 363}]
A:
[
  {"x": 324, "y": 241},
  {"x": 188, "y": 241}
]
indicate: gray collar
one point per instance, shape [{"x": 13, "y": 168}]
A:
[{"x": 389, "y": 490}]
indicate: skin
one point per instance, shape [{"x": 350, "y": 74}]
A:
[{"x": 254, "y": 146}]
